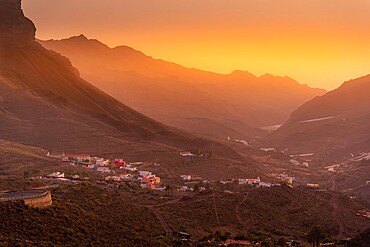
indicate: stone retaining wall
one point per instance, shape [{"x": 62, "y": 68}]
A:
[{"x": 41, "y": 200}]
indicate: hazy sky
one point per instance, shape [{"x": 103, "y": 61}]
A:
[{"x": 318, "y": 42}]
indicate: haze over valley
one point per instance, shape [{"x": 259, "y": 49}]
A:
[{"x": 104, "y": 146}]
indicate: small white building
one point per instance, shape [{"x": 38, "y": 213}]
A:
[
  {"x": 125, "y": 176},
  {"x": 249, "y": 181},
  {"x": 294, "y": 162},
  {"x": 185, "y": 189},
  {"x": 103, "y": 169},
  {"x": 265, "y": 184},
  {"x": 313, "y": 185},
  {"x": 187, "y": 154},
  {"x": 144, "y": 173},
  {"x": 268, "y": 149},
  {"x": 102, "y": 162},
  {"x": 185, "y": 177},
  {"x": 56, "y": 175},
  {"x": 129, "y": 168}
]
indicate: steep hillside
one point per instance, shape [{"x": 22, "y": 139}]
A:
[
  {"x": 44, "y": 102},
  {"x": 278, "y": 211},
  {"x": 15, "y": 159},
  {"x": 362, "y": 240},
  {"x": 336, "y": 123},
  {"x": 83, "y": 216},
  {"x": 226, "y": 105}
]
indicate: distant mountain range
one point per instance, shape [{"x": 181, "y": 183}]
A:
[
  {"x": 235, "y": 105},
  {"x": 337, "y": 123},
  {"x": 45, "y": 103}
]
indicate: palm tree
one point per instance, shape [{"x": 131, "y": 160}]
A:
[{"x": 315, "y": 236}]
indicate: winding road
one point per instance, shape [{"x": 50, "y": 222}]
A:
[{"x": 163, "y": 222}]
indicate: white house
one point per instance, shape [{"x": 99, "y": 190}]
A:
[
  {"x": 294, "y": 162},
  {"x": 56, "y": 175},
  {"x": 185, "y": 177},
  {"x": 187, "y": 154},
  {"x": 129, "y": 168},
  {"x": 143, "y": 185},
  {"x": 125, "y": 176},
  {"x": 186, "y": 189},
  {"x": 103, "y": 169},
  {"x": 144, "y": 173},
  {"x": 102, "y": 162},
  {"x": 313, "y": 185},
  {"x": 265, "y": 184},
  {"x": 249, "y": 181}
]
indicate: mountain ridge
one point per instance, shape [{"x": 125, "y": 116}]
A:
[
  {"x": 169, "y": 92},
  {"x": 338, "y": 120},
  {"x": 44, "y": 101}
]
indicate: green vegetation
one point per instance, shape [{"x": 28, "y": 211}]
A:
[
  {"x": 275, "y": 212},
  {"x": 315, "y": 236},
  {"x": 362, "y": 240},
  {"x": 81, "y": 216}
]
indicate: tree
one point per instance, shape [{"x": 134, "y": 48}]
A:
[
  {"x": 226, "y": 236},
  {"x": 168, "y": 189},
  {"x": 315, "y": 236},
  {"x": 281, "y": 242},
  {"x": 196, "y": 188},
  {"x": 26, "y": 174}
]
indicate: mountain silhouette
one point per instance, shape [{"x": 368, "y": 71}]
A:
[
  {"x": 44, "y": 102},
  {"x": 236, "y": 105},
  {"x": 336, "y": 123}
]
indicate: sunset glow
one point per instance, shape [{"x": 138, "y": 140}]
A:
[{"x": 317, "y": 42}]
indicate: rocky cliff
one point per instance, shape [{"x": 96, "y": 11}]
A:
[{"x": 15, "y": 28}]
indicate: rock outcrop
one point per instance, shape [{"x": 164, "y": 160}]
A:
[{"x": 15, "y": 28}]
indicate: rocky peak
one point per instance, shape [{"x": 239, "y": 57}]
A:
[{"x": 15, "y": 28}]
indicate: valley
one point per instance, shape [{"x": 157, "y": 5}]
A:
[{"x": 129, "y": 150}]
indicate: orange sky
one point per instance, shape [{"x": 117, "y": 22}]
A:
[{"x": 317, "y": 42}]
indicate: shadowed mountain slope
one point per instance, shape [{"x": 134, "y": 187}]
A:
[
  {"x": 44, "y": 102},
  {"x": 337, "y": 121}
]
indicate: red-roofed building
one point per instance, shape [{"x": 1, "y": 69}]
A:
[{"x": 120, "y": 162}]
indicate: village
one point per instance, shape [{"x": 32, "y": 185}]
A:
[
  {"x": 117, "y": 170},
  {"x": 143, "y": 173},
  {"x": 112, "y": 171},
  {"x": 143, "y": 176}
]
